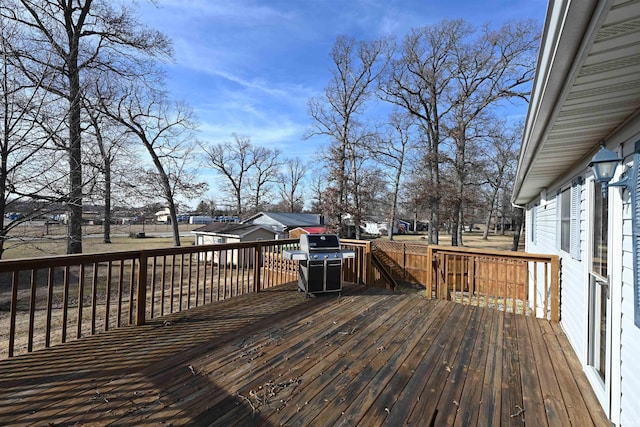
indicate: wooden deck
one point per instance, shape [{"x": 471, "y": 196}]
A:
[{"x": 369, "y": 357}]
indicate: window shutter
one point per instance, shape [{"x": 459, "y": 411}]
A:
[
  {"x": 576, "y": 196},
  {"x": 534, "y": 221},
  {"x": 635, "y": 218}
]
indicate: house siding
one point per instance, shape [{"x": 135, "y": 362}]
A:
[
  {"x": 574, "y": 288},
  {"x": 572, "y": 280},
  {"x": 629, "y": 332}
]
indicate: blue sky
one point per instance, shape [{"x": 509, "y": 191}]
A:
[{"x": 249, "y": 66}]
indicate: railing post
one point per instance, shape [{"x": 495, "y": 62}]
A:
[
  {"x": 404, "y": 261},
  {"x": 368, "y": 268},
  {"x": 14, "y": 309},
  {"x": 555, "y": 288},
  {"x": 141, "y": 290},
  {"x": 257, "y": 265},
  {"x": 429, "y": 287}
]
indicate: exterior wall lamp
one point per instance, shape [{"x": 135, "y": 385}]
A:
[{"x": 604, "y": 165}]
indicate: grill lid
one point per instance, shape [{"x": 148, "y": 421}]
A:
[{"x": 319, "y": 242}]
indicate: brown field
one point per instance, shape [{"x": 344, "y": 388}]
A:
[
  {"x": 470, "y": 239},
  {"x": 37, "y": 241}
]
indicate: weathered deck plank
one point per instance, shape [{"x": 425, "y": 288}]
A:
[{"x": 368, "y": 358}]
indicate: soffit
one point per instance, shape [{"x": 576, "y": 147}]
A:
[{"x": 604, "y": 93}]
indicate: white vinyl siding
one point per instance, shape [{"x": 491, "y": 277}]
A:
[
  {"x": 629, "y": 332},
  {"x": 572, "y": 280}
]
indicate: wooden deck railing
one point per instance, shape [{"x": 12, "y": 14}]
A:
[
  {"x": 55, "y": 299},
  {"x": 517, "y": 282},
  {"x": 364, "y": 268}
]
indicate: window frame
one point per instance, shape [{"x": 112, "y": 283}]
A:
[{"x": 569, "y": 208}]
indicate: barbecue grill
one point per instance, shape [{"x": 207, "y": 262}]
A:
[{"x": 320, "y": 263}]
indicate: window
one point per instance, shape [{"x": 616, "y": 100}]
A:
[
  {"x": 569, "y": 218},
  {"x": 600, "y": 233},
  {"x": 598, "y": 322}
]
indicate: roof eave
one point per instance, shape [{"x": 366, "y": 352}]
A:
[{"x": 570, "y": 28}]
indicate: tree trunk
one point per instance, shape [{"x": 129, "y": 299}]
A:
[
  {"x": 487, "y": 224},
  {"x": 74, "y": 244},
  {"x": 460, "y": 227},
  {"x": 519, "y": 222},
  {"x": 485, "y": 235},
  {"x": 434, "y": 222},
  {"x": 107, "y": 202},
  {"x": 174, "y": 221}
]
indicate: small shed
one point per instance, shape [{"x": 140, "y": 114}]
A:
[
  {"x": 225, "y": 232},
  {"x": 163, "y": 216},
  {"x": 299, "y": 231}
]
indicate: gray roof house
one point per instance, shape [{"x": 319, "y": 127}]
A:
[
  {"x": 228, "y": 232},
  {"x": 282, "y": 222},
  {"x": 585, "y": 109}
]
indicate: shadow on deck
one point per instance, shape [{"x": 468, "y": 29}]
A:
[{"x": 369, "y": 357}]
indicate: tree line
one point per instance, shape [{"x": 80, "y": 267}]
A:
[
  {"x": 412, "y": 124},
  {"x": 86, "y": 119},
  {"x": 439, "y": 144}
]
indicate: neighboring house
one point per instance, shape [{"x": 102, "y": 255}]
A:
[
  {"x": 299, "y": 231},
  {"x": 163, "y": 216},
  {"x": 283, "y": 222},
  {"x": 378, "y": 227},
  {"x": 227, "y": 232},
  {"x": 587, "y": 90}
]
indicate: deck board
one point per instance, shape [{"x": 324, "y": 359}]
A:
[{"x": 369, "y": 357}]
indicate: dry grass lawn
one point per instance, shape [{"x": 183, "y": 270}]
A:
[
  {"x": 34, "y": 242},
  {"x": 37, "y": 241},
  {"x": 469, "y": 239}
]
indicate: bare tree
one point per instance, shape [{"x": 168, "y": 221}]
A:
[
  {"x": 266, "y": 165},
  {"x": 247, "y": 168},
  {"x": 417, "y": 81},
  {"x": 25, "y": 160},
  {"x": 318, "y": 188},
  {"x": 233, "y": 160},
  {"x": 501, "y": 154},
  {"x": 448, "y": 79},
  {"x": 109, "y": 144},
  {"x": 495, "y": 66},
  {"x": 391, "y": 151},
  {"x": 66, "y": 39},
  {"x": 165, "y": 131},
  {"x": 289, "y": 183},
  {"x": 336, "y": 115}
]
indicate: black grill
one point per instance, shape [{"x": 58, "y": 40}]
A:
[{"x": 320, "y": 263}]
